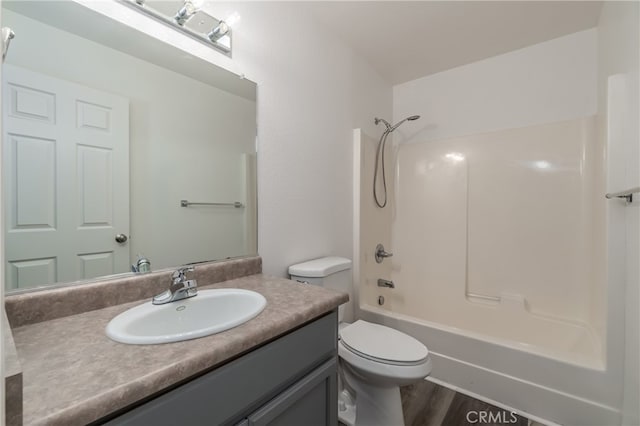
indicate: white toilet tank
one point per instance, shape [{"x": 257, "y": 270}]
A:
[{"x": 330, "y": 272}]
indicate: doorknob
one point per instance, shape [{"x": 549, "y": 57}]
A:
[
  {"x": 121, "y": 238},
  {"x": 7, "y": 36}
]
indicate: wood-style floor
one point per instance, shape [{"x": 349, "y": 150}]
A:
[{"x": 429, "y": 404}]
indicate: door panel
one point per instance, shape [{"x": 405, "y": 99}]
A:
[
  {"x": 34, "y": 189},
  {"x": 31, "y": 104},
  {"x": 93, "y": 117},
  {"x": 91, "y": 265},
  {"x": 31, "y": 273},
  {"x": 95, "y": 186},
  {"x": 66, "y": 173}
]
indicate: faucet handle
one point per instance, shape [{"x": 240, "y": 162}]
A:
[
  {"x": 179, "y": 275},
  {"x": 181, "y": 288},
  {"x": 381, "y": 253}
]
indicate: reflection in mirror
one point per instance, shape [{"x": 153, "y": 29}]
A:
[{"x": 105, "y": 131}]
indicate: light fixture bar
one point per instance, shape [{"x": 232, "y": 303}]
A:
[{"x": 172, "y": 21}]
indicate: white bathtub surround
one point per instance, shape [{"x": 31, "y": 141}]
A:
[
  {"x": 485, "y": 303},
  {"x": 618, "y": 98},
  {"x": 498, "y": 229}
]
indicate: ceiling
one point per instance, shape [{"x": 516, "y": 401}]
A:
[{"x": 412, "y": 39}]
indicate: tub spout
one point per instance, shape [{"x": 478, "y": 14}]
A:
[{"x": 386, "y": 283}]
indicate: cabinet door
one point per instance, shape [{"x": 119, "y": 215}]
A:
[{"x": 312, "y": 401}]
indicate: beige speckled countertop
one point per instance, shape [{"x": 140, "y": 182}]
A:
[{"x": 74, "y": 374}]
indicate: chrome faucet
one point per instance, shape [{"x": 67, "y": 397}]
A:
[{"x": 181, "y": 288}]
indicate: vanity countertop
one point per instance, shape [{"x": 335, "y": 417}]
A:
[{"x": 74, "y": 374}]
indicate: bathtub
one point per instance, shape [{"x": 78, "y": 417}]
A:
[
  {"x": 499, "y": 266},
  {"x": 529, "y": 381}
]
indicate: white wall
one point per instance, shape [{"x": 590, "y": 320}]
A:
[
  {"x": 546, "y": 82},
  {"x": 180, "y": 133},
  {"x": 618, "y": 51},
  {"x": 312, "y": 91}
]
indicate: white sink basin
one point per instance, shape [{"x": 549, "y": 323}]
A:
[{"x": 210, "y": 312}]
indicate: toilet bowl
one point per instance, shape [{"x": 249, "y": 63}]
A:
[{"x": 374, "y": 362}]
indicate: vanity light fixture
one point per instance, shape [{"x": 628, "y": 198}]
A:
[
  {"x": 218, "y": 38},
  {"x": 186, "y": 12},
  {"x": 223, "y": 27}
]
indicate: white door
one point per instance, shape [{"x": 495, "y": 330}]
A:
[{"x": 66, "y": 180}]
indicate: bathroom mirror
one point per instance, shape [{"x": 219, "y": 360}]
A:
[{"x": 111, "y": 140}]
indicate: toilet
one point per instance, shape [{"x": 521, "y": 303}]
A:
[{"x": 375, "y": 360}]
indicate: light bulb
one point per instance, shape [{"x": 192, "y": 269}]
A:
[
  {"x": 188, "y": 9},
  {"x": 218, "y": 32},
  {"x": 223, "y": 27}
]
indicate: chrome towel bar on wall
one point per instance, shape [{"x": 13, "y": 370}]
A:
[
  {"x": 236, "y": 204},
  {"x": 628, "y": 194}
]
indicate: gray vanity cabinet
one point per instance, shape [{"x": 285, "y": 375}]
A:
[
  {"x": 289, "y": 381},
  {"x": 308, "y": 402}
]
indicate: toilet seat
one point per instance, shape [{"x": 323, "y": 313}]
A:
[
  {"x": 382, "y": 344},
  {"x": 380, "y": 360},
  {"x": 374, "y": 362}
]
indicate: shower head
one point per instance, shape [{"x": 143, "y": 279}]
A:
[
  {"x": 391, "y": 128},
  {"x": 411, "y": 118}
]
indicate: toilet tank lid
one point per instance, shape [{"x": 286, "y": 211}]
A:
[{"x": 319, "y": 268}]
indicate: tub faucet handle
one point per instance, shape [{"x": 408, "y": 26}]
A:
[{"x": 381, "y": 254}]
